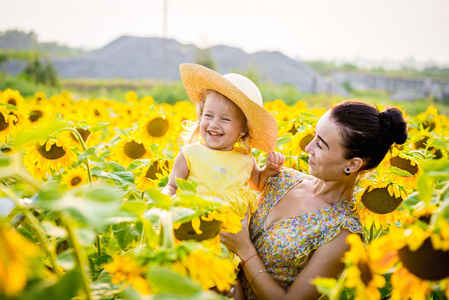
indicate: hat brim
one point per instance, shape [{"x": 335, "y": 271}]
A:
[{"x": 263, "y": 129}]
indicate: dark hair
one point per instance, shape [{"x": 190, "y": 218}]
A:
[{"x": 368, "y": 133}]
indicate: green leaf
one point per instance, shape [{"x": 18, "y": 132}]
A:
[
  {"x": 158, "y": 199},
  {"x": 436, "y": 142},
  {"x": 135, "y": 207},
  {"x": 184, "y": 185},
  {"x": 99, "y": 126},
  {"x": 5, "y": 161},
  {"x": 121, "y": 177},
  {"x": 115, "y": 167},
  {"x": 125, "y": 234},
  {"x": 35, "y": 134},
  {"x": 192, "y": 200},
  {"x": 284, "y": 139},
  {"x": 398, "y": 171},
  {"x": 65, "y": 288},
  {"x": 89, "y": 151},
  {"x": 425, "y": 188},
  {"x": 164, "y": 280},
  {"x": 184, "y": 214}
]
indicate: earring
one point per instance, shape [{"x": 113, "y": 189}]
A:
[{"x": 347, "y": 171}]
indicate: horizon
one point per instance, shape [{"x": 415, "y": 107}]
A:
[{"x": 325, "y": 30}]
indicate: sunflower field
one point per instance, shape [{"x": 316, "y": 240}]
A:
[{"x": 82, "y": 216}]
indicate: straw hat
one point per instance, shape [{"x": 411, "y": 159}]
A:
[{"x": 263, "y": 130}]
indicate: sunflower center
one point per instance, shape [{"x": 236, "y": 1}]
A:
[
  {"x": 365, "y": 272},
  {"x": 429, "y": 124},
  {"x": 157, "y": 127},
  {"x": 209, "y": 228},
  {"x": 35, "y": 115},
  {"x": 12, "y": 101},
  {"x": 404, "y": 164},
  {"x": 85, "y": 133},
  {"x": 380, "y": 201},
  {"x": 426, "y": 262},
  {"x": 3, "y": 124},
  {"x": 15, "y": 121},
  {"x": 293, "y": 130},
  {"x": 153, "y": 170},
  {"x": 134, "y": 150},
  {"x": 421, "y": 144},
  {"x": 55, "y": 152},
  {"x": 75, "y": 181},
  {"x": 305, "y": 141}
]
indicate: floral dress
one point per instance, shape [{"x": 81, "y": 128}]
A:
[{"x": 286, "y": 246}]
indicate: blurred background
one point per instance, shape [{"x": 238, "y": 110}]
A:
[{"x": 396, "y": 50}]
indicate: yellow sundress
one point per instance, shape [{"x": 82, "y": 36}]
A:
[{"x": 222, "y": 174}]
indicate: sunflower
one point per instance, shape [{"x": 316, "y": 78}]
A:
[
  {"x": 128, "y": 149},
  {"x": 158, "y": 128},
  {"x": 207, "y": 269},
  {"x": 74, "y": 177},
  {"x": 408, "y": 173},
  {"x": 127, "y": 269},
  {"x": 49, "y": 155},
  {"x": 419, "y": 142},
  {"x": 377, "y": 203},
  {"x": 359, "y": 273},
  {"x": 418, "y": 267},
  {"x": 131, "y": 97},
  {"x": 17, "y": 257},
  {"x": 8, "y": 121},
  {"x": 38, "y": 112},
  {"x": 152, "y": 173},
  {"x": 11, "y": 97},
  {"x": 39, "y": 96}
]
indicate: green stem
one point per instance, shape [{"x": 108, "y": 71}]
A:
[
  {"x": 83, "y": 145},
  {"x": 43, "y": 240},
  {"x": 371, "y": 232},
  {"x": 98, "y": 242},
  {"x": 79, "y": 257},
  {"x": 35, "y": 227}
]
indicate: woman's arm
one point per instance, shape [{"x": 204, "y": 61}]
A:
[
  {"x": 325, "y": 262},
  {"x": 180, "y": 170},
  {"x": 259, "y": 176}
]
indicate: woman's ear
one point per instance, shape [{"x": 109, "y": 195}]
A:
[{"x": 355, "y": 164}]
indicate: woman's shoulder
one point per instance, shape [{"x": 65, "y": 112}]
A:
[{"x": 288, "y": 175}]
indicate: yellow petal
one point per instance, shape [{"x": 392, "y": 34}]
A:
[{"x": 196, "y": 225}]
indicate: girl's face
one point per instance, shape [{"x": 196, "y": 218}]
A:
[
  {"x": 326, "y": 160},
  {"x": 221, "y": 123}
]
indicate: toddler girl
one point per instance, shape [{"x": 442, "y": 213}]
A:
[{"x": 231, "y": 120}]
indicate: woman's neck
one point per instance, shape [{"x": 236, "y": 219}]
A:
[{"x": 331, "y": 192}]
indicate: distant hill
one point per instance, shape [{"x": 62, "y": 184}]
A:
[
  {"x": 136, "y": 58},
  {"x": 23, "y": 41}
]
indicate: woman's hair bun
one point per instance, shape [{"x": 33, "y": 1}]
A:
[{"x": 393, "y": 125}]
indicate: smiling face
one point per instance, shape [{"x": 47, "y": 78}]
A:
[
  {"x": 221, "y": 123},
  {"x": 326, "y": 160}
]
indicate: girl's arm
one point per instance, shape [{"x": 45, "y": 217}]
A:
[
  {"x": 180, "y": 170},
  {"x": 325, "y": 262},
  {"x": 259, "y": 176}
]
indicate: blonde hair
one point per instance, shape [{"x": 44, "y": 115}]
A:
[{"x": 191, "y": 134}]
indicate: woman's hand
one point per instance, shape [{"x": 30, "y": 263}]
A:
[{"x": 238, "y": 242}]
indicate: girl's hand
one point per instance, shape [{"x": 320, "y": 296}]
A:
[{"x": 275, "y": 160}]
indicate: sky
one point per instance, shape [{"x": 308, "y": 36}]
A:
[{"x": 395, "y": 30}]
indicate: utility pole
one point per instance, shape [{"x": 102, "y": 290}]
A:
[{"x": 164, "y": 42}]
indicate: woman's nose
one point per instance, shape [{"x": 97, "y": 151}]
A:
[{"x": 308, "y": 147}]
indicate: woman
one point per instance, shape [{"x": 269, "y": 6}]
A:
[{"x": 299, "y": 230}]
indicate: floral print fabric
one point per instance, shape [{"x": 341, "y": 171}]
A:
[{"x": 286, "y": 246}]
